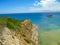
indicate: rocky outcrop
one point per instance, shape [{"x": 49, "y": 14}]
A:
[
  {"x": 7, "y": 38},
  {"x": 23, "y": 34},
  {"x": 35, "y": 35}
]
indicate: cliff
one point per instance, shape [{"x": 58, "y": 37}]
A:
[{"x": 17, "y": 32}]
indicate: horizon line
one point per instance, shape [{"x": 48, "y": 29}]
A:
[{"x": 29, "y": 12}]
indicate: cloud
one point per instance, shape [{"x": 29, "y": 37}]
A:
[{"x": 46, "y": 5}]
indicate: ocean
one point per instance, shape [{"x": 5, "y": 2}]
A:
[{"x": 48, "y": 25}]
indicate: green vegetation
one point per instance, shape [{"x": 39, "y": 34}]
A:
[
  {"x": 14, "y": 25},
  {"x": 11, "y": 23}
]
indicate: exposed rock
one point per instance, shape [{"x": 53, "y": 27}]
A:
[
  {"x": 35, "y": 35},
  {"x": 49, "y": 15},
  {"x": 23, "y": 33},
  {"x": 7, "y": 38}
]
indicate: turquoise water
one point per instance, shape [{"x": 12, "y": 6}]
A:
[
  {"x": 50, "y": 30},
  {"x": 48, "y": 27}
]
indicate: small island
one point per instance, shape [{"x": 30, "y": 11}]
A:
[{"x": 49, "y": 15}]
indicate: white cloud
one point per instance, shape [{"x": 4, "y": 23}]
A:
[{"x": 46, "y": 5}]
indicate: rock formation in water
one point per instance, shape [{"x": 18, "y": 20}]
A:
[
  {"x": 50, "y": 15},
  {"x": 17, "y": 32}
]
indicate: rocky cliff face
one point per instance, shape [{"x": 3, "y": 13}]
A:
[
  {"x": 7, "y": 38},
  {"x": 23, "y": 33},
  {"x": 35, "y": 35}
]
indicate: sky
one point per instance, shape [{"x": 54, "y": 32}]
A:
[{"x": 27, "y": 6}]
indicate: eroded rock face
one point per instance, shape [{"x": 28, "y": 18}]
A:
[
  {"x": 35, "y": 35},
  {"x": 28, "y": 34},
  {"x": 7, "y": 38},
  {"x": 26, "y": 27},
  {"x": 30, "y": 31}
]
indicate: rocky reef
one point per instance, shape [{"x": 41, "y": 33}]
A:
[{"x": 18, "y": 32}]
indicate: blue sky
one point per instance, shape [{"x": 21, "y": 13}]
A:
[{"x": 26, "y": 6}]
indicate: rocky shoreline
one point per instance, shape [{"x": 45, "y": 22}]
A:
[{"x": 27, "y": 34}]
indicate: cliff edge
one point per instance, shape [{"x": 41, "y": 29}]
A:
[{"x": 17, "y": 32}]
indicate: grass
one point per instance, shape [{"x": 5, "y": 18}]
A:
[
  {"x": 14, "y": 25},
  {"x": 11, "y": 23}
]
